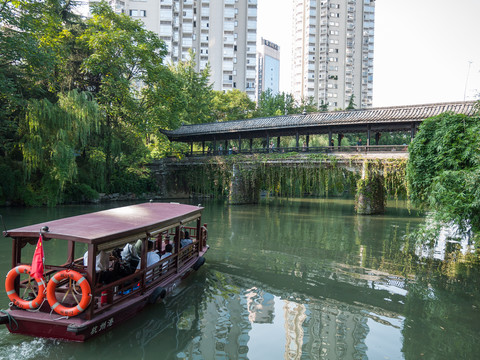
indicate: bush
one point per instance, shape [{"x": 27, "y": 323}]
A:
[
  {"x": 79, "y": 193},
  {"x": 133, "y": 180}
]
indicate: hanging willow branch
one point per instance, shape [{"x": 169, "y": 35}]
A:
[{"x": 55, "y": 133}]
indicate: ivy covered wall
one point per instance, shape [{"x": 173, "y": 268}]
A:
[{"x": 282, "y": 175}]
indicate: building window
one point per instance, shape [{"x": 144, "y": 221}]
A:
[{"x": 141, "y": 13}]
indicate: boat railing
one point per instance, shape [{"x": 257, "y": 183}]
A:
[
  {"x": 142, "y": 280},
  {"x": 51, "y": 270},
  {"x": 187, "y": 252},
  {"x": 105, "y": 296}
]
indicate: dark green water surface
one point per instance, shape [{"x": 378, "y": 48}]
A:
[{"x": 291, "y": 279}]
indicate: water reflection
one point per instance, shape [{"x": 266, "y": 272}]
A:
[{"x": 303, "y": 279}]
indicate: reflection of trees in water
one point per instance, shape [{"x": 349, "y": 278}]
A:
[
  {"x": 443, "y": 301},
  {"x": 442, "y": 316}
]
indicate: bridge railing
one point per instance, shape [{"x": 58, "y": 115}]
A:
[{"x": 360, "y": 149}]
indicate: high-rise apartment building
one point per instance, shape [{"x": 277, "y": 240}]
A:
[
  {"x": 332, "y": 51},
  {"x": 268, "y": 67},
  {"x": 220, "y": 32}
]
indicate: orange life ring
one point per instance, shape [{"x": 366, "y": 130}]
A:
[
  {"x": 84, "y": 285},
  {"x": 12, "y": 294}
]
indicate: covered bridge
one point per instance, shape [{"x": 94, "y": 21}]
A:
[{"x": 370, "y": 121}]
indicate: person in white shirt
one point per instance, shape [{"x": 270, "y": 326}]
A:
[
  {"x": 152, "y": 256},
  {"x": 101, "y": 261}
]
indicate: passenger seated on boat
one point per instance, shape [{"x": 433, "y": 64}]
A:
[
  {"x": 102, "y": 260},
  {"x": 166, "y": 241},
  {"x": 125, "y": 263},
  {"x": 130, "y": 256},
  {"x": 186, "y": 241},
  {"x": 168, "y": 252},
  {"x": 104, "y": 275},
  {"x": 152, "y": 256}
]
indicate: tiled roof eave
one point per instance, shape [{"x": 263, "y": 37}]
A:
[{"x": 386, "y": 115}]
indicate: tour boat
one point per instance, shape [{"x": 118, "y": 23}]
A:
[{"x": 100, "y": 284}]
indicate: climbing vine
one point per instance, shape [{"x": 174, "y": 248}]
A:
[{"x": 285, "y": 175}]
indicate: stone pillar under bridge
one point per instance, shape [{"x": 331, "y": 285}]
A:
[
  {"x": 244, "y": 186},
  {"x": 370, "y": 198}
]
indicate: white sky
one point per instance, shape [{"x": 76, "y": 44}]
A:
[{"x": 422, "y": 48}]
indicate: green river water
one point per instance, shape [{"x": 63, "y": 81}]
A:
[{"x": 291, "y": 279}]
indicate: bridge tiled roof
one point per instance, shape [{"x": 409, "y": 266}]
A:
[{"x": 379, "y": 119}]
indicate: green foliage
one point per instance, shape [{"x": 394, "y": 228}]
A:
[
  {"x": 275, "y": 105},
  {"x": 195, "y": 90},
  {"x": 136, "y": 91},
  {"x": 133, "y": 180},
  {"x": 323, "y": 106},
  {"x": 79, "y": 193},
  {"x": 444, "y": 168},
  {"x": 54, "y": 133},
  {"x": 27, "y": 60},
  {"x": 232, "y": 105},
  {"x": 351, "y": 103}
]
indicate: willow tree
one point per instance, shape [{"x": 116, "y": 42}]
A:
[
  {"x": 443, "y": 168},
  {"x": 55, "y": 133},
  {"x": 131, "y": 85},
  {"x": 32, "y": 43}
]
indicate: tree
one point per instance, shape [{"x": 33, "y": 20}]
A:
[
  {"x": 55, "y": 133},
  {"x": 31, "y": 36},
  {"x": 232, "y": 105},
  {"x": 351, "y": 104},
  {"x": 443, "y": 169},
  {"x": 308, "y": 105},
  {"x": 197, "y": 92},
  {"x": 323, "y": 106},
  {"x": 131, "y": 84},
  {"x": 275, "y": 105}
]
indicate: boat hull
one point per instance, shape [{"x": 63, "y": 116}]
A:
[{"x": 51, "y": 325}]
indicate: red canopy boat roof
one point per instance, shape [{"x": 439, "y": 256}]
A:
[{"x": 103, "y": 226}]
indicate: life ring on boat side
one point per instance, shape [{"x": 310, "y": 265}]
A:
[
  {"x": 12, "y": 294},
  {"x": 84, "y": 285}
]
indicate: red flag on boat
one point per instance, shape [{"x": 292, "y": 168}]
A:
[{"x": 37, "y": 262}]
